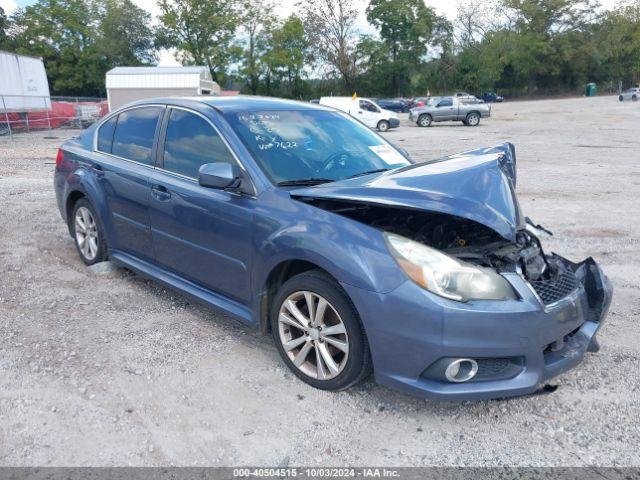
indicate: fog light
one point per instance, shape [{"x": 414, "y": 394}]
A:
[{"x": 461, "y": 370}]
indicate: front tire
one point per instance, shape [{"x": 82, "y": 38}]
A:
[
  {"x": 424, "y": 120},
  {"x": 383, "y": 126},
  {"x": 621, "y": 98},
  {"x": 634, "y": 98},
  {"x": 472, "y": 120},
  {"x": 87, "y": 233},
  {"x": 318, "y": 332}
]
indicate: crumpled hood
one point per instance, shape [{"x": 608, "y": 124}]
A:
[{"x": 478, "y": 185}]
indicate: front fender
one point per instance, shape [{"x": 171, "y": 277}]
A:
[{"x": 352, "y": 252}]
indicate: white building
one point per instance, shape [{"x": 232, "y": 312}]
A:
[
  {"x": 23, "y": 84},
  {"x": 127, "y": 84}
]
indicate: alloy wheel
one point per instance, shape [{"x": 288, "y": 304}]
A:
[
  {"x": 86, "y": 233},
  {"x": 425, "y": 121},
  {"x": 473, "y": 120},
  {"x": 313, "y": 335}
]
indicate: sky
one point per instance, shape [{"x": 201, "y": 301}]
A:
[{"x": 447, "y": 8}]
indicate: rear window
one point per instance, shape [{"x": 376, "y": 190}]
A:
[
  {"x": 105, "y": 135},
  {"x": 133, "y": 137}
]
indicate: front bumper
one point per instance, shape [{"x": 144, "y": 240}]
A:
[{"x": 409, "y": 329}]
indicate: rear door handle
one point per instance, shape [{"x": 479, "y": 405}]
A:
[{"x": 160, "y": 193}]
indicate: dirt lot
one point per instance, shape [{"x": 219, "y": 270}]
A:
[{"x": 105, "y": 368}]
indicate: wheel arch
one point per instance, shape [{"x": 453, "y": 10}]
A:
[
  {"x": 277, "y": 276},
  {"x": 70, "y": 203},
  {"x": 82, "y": 184}
]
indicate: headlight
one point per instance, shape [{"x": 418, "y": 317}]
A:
[{"x": 445, "y": 275}]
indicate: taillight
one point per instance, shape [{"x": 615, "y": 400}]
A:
[{"x": 59, "y": 157}]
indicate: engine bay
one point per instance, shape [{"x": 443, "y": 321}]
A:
[{"x": 456, "y": 236}]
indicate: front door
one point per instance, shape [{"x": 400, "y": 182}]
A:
[
  {"x": 445, "y": 110},
  {"x": 368, "y": 113},
  {"x": 203, "y": 234}
]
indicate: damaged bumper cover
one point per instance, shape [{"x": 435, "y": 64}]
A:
[{"x": 517, "y": 344}]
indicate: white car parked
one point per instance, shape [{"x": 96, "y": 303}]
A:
[
  {"x": 365, "y": 110},
  {"x": 631, "y": 94}
]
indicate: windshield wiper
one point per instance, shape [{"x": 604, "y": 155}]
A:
[
  {"x": 304, "y": 181},
  {"x": 362, "y": 174}
]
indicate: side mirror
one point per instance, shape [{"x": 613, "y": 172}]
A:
[{"x": 219, "y": 175}]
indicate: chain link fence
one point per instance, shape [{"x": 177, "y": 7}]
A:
[{"x": 22, "y": 114}]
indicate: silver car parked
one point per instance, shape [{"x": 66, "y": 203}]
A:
[
  {"x": 450, "y": 109},
  {"x": 631, "y": 94}
]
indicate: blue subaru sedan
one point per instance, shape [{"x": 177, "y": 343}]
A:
[{"x": 301, "y": 222}]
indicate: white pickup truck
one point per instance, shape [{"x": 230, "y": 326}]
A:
[{"x": 443, "y": 109}]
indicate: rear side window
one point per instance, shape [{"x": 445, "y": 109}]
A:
[
  {"x": 446, "y": 102},
  {"x": 191, "y": 142},
  {"x": 105, "y": 135},
  {"x": 133, "y": 137}
]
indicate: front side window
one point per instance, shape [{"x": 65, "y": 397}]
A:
[
  {"x": 313, "y": 145},
  {"x": 134, "y": 133},
  {"x": 105, "y": 134},
  {"x": 190, "y": 143},
  {"x": 368, "y": 106}
]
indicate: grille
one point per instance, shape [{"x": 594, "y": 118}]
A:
[
  {"x": 490, "y": 367},
  {"x": 551, "y": 291}
]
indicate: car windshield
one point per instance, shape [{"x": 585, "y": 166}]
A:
[{"x": 313, "y": 146}]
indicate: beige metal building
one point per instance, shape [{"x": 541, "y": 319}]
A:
[{"x": 127, "y": 84}]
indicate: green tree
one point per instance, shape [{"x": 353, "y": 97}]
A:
[
  {"x": 618, "y": 43},
  {"x": 4, "y": 26},
  {"x": 406, "y": 28},
  {"x": 330, "y": 28},
  {"x": 58, "y": 31},
  {"x": 202, "y": 32},
  {"x": 125, "y": 35},
  {"x": 79, "y": 40},
  {"x": 257, "y": 20},
  {"x": 286, "y": 55}
]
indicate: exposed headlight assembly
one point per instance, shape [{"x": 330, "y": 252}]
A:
[{"x": 445, "y": 275}]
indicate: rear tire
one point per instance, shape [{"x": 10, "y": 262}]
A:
[
  {"x": 88, "y": 234},
  {"x": 383, "y": 126},
  {"x": 634, "y": 98},
  {"x": 472, "y": 119},
  {"x": 424, "y": 120},
  {"x": 621, "y": 98},
  {"x": 328, "y": 361}
]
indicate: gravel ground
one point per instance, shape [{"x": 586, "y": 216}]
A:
[{"x": 105, "y": 368}]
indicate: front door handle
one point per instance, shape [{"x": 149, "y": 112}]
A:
[{"x": 160, "y": 193}]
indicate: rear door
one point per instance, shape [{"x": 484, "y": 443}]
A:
[
  {"x": 203, "y": 234},
  {"x": 126, "y": 145}
]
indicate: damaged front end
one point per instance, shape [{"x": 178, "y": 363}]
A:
[
  {"x": 464, "y": 206},
  {"x": 486, "y": 302},
  {"x": 550, "y": 276}
]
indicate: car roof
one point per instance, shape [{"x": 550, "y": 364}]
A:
[{"x": 237, "y": 103}]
